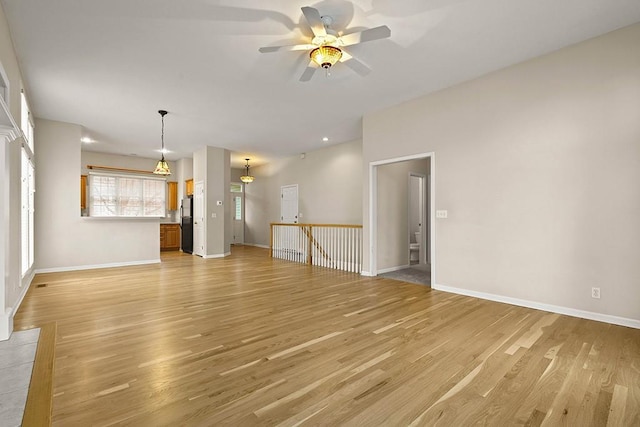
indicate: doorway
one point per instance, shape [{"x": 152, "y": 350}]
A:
[
  {"x": 388, "y": 231},
  {"x": 236, "y": 208}
]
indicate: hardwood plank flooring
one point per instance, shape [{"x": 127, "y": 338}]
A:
[{"x": 250, "y": 340}]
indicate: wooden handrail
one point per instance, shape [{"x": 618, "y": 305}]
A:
[{"x": 318, "y": 225}]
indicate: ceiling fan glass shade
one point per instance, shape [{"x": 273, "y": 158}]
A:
[
  {"x": 162, "y": 168},
  {"x": 326, "y": 56},
  {"x": 246, "y": 178}
]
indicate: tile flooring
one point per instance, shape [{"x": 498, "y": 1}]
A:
[
  {"x": 16, "y": 363},
  {"x": 419, "y": 274}
]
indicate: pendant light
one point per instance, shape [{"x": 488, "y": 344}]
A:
[
  {"x": 246, "y": 178},
  {"x": 162, "y": 168}
]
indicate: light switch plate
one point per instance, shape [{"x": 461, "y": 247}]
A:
[{"x": 442, "y": 214}]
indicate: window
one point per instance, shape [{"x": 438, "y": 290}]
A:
[
  {"x": 236, "y": 187},
  {"x": 26, "y": 121},
  {"x": 126, "y": 196},
  {"x": 27, "y": 199},
  {"x": 27, "y": 189},
  {"x": 238, "y": 208}
]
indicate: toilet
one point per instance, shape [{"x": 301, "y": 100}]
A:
[{"x": 414, "y": 249}]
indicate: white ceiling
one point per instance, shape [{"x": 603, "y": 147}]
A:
[{"x": 111, "y": 65}]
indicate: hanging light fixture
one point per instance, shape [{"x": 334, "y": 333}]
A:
[
  {"x": 246, "y": 178},
  {"x": 162, "y": 168},
  {"x": 326, "y": 56}
]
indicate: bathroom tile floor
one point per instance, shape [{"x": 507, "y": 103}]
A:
[
  {"x": 16, "y": 363},
  {"x": 414, "y": 274}
]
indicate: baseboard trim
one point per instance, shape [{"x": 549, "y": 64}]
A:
[
  {"x": 6, "y": 318},
  {"x": 257, "y": 245},
  {"x": 390, "y": 269},
  {"x": 366, "y": 273},
  {"x": 216, "y": 255},
  {"x": 606, "y": 318},
  {"x": 96, "y": 266}
]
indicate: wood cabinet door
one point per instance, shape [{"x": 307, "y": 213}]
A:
[
  {"x": 188, "y": 186},
  {"x": 172, "y": 196},
  {"x": 172, "y": 237},
  {"x": 83, "y": 191}
]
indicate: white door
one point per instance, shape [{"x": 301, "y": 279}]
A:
[
  {"x": 198, "y": 219},
  {"x": 289, "y": 204},
  {"x": 236, "y": 208}
]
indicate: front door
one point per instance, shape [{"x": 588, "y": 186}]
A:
[
  {"x": 198, "y": 219},
  {"x": 237, "y": 213}
]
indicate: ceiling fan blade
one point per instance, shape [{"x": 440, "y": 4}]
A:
[
  {"x": 269, "y": 49},
  {"x": 356, "y": 65},
  {"x": 308, "y": 72},
  {"x": 376, "y": 33},
  {"x": 315, "y": 21}
]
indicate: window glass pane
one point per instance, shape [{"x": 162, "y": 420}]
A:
[
  {"x": 154, "y": 198},
  {"x": 238, "y": 208},
  {"x": 102, "y": 196},
  {"x": 236, "y": 187},
  {"x": 27, "y": 191},
  {"x": 130, "y": 192}
]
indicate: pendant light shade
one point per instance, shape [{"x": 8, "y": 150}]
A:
[
  {"x": 246, "y": 178},
  {"x": 162, "y": 168}
]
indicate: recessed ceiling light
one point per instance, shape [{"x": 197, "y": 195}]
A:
[
  {"x": 325, "y": 139},
  {"x": 87, "y": 140}
]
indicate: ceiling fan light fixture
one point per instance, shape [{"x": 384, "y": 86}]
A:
[
  {"x": 326, "y": 56},
  {"x": 162, "y": 168},
  {"x": 246, "y": 178}
]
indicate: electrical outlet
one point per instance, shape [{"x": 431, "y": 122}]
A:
[{"x": 595, "y": 293}]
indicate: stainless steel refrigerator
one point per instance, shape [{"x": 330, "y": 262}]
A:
[{"x": 186, "y": 223}]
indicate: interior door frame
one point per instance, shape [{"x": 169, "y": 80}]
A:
[{"x": 373, "y": 209}]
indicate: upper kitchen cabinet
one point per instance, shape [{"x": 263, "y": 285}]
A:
[
  {"x": 83, "y": 191},
  {"x": 188, "y": 184},
  {"x": 172, "y": 196}
]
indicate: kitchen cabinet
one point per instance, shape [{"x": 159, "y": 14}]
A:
[
  {"x": 169, "y": 237},
  {"x": 83, "y": 191},
  {"x": 172, "y": 196},
  {"x": 188, "y": 185}
]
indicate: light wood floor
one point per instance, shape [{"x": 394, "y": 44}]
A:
[{"x": 248, "y": 340}]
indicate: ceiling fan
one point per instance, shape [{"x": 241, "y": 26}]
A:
[{"x": 327, "y": 46}]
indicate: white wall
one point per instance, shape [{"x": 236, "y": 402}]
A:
[
  {"x": 64, "y": 239},
  {"x": 211, "y": 165},
  {"x": 393, "y": 212},
  {"x": 13, "y": 286},
  {"x": 538, "y": 166},
  {"x": 329, "y": 189}
]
